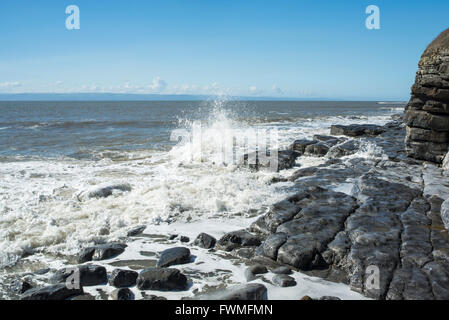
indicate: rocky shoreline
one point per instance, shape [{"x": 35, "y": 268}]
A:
[{"x": 389, "y": 219}]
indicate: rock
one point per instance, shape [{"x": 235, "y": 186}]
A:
[
  {"x": 53, "y": 292},
  {"x": 153, "y": 297},
  {"x": 101, "y": 252},
  {"x": 163, "y": 279},
  {"x": 306, "y": 298},
  {"x": 282, "y": 270},
  {"x": 172, "y": 237},
  {"x": 345, "y": 149},
  {"x": 240, "y": 238},
  {"x": 121, "y": 278},
  {"x": 300, "y": 145},
  {"x": 21, "y": 286},
  {"x": 329, "y": 298},
  {"x": 445, "y": 213},
  {"x": 283, "y": 280},
  {"x": 427, "y": 112},
  {"x": 356, "y": 130},
  {"x": 271, "y": 245},
  {"x": 174, "y": 256},
  {"x": 286, "y": 159},
  {"x": 84, "y": 297},
  {"x": 251, "y": 291},
  {"x": 251, "y": 272},
  {"x": 184, "y": 239},
  {"x": 136, "y": 231},
  {"x": 103, "y": 191},
  {"x": 122, "y": 294},
  {"x": 317, "y": 149},
  {"x": 89, "y": 275},
  {"x": 205, "y": 241}
]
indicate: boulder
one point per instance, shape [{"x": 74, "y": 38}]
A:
[
  {"x": 357, "y": 130},
  {"x": 53, "y": 292},
  {"x": 300, "y": 145},
  {"x": 240, "y": 238},
  {"x": 251, "y": 291},
  {"x": 162, "y": 279},
  {"x": 203, "y": 240},
  {"x": 285, "y": 160},
  {"x": 122, "y": 294},
  {"x": 121, "y": 278},
  {"x": 89, "y": 275},
  {"x": 174, "y": 256},
  {"x": 282, "y": 270},
  {"x": 283, "y": 280},
  {"x": 317, "y": 149},
  {"x": 101, "y": 252},
  {"x": 103, "y": 191},
  {"x": 136, "y": 231}
]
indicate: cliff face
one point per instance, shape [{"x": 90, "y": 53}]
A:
[{"x": 427, "y": 113}]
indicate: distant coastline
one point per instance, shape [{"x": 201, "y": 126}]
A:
[{"x": 157, "y": 97}]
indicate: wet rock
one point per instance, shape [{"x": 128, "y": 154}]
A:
[
  {"x": 205, "y": 241},
  {"x": 251, "y": 291},
  {"x": 136, "y": 231},
  {"x": 153, "y": 297},
  {"x": 306, "y": 298},
  {"x": 356, "y": 130},
  {"x": 285, "y": 160},
  {"x": 121, "y": 278},
  {"x": 101, "y": 252},
  {"x": 174, "y": 256},
  {"x": 445, "y": 213},
  {"x": 329, "y": 298},
  {"x": 271, "y": 245},
  {"x": 317, "y": 149},
  {"x": 21, "y": 286},
  {"x": 276, "y": 214},
  {"x": 184, "y": 239},
  {"x": 240, "y": 238},
  {"x": 84, "y": 297},
  {"x": 252, "y": 272},
  {"x": 122, "y": 294},
  {"x": 282, "y": 270},
  {"x": 345, "y": 149},
  {"x": 53, "y": 292},
  {"x": 172, "y": 237},
  {"x": 163, "y": 279},
  {"x": 89, "y": 275},
  {"x": 300, "y": 145},
  {"x": 283, "y": 280},
  {"x": 103, "y": 191}
]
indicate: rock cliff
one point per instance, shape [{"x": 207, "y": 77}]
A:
[{"x": 427, "y": 113}]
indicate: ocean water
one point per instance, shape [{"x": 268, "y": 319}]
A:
[{"x": 50, "y": 152}]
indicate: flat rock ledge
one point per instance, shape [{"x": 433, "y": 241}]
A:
[{"x": 389, "y": 224}]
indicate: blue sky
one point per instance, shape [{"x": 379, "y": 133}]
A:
[{"x": 302, "y": 49}]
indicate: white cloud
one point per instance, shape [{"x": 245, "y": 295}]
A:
[
  {"x": 13, "y": 84},
  {"x": 276, "y": 89},
  {"x": 158, "y": 85}
]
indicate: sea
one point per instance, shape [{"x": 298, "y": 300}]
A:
[{"x": 51, "y": 152}]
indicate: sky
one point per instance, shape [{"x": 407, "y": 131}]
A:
[{"x": 292, "y": 49}]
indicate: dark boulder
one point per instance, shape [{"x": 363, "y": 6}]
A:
[
  {"x": 283, "y": 280},
  {"x": 89, "y": 275},
  {"x": 356, "y": 130},
  {"x": 163, "y": 279},
  {"x": 122, "y": 294},
  {"x": 300, "y": 145},
  {"x": 174, "y": 256},
  {"x": 121, "y": 278},
  {"x": 240, "y": 238},
  {"x": 136, "y": 231},
  {"x": 318, "y": 149},
  {"x": 53, "y": 292},
  {"x": 101, "y": 252},
  {"x": 205, "y": 241},
  {"x": 252, "y": 291}
]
